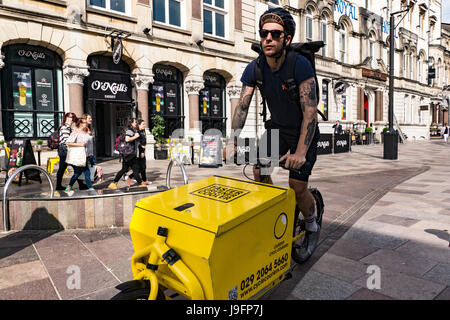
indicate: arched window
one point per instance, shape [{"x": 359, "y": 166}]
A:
[
  {"x": 342, "y": 42},
  {"x": 372, "y": 50},
  {"x": 166, "y": 95},
  {"x": 323, "y": 33},
  {"x": 309, "y": 24},
  {"x": 212, "y": 103},
  {"x": 431, "y": 66},
  {"x": 32, "y": 91}
]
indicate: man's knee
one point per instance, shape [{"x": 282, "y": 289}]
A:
[{"x": 300, "y": 188}]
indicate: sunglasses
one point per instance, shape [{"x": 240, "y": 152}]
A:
[{"x": 276, "y": 34}]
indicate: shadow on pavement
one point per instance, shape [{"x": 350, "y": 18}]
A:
[{"x": 17, "y": 241}]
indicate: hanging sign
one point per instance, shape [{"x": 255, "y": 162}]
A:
[{"x": 117, "y": 50}]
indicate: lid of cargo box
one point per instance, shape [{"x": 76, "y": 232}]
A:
[{"x": 216, "y": 204}]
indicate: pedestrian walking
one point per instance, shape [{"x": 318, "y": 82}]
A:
[
  {"x": 128, "y": 150},
  {"x": 80, "y": 137},
  {"x": 445, "y": 132},
  {"x": 142, "y": 160}
]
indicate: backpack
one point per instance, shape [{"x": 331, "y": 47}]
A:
[
  {"x": 53, "y": 140},
  {"x": 116, "y": 144},
  {"x": 446, "y": 130},
  {"x": 306, "y": 49},
  {"x": 125, "y": 148}
]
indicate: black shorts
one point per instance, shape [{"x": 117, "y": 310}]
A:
[{"x": 288, "y": 141}]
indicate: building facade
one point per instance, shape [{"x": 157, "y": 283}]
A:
[{"x": 183, "y": 60}]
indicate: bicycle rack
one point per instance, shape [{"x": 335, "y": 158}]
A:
[
  {"x": 169, "y": 169},
  {"x": 5, "y": 210}
]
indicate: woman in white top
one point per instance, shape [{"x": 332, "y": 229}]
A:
[{"x": 81, "y": 138}]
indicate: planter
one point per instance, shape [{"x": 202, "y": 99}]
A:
[{"x": 161, "y": 154}]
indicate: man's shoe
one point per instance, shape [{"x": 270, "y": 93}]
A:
[
  {"x": 309, "y": 244},
  {"x": 60, "y": 188},
  {"x": 113, "y": 185}
]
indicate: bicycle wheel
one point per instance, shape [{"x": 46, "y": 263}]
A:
[{"x": 300, "y": 227}]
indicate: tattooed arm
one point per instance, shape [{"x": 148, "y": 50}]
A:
[
  {"x": 241, "y": 111},
  {"x": 308, "y": 102},
  {"x": 239, "y": 117}
]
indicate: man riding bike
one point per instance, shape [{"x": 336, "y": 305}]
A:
[{"x": 298, "y": 129}]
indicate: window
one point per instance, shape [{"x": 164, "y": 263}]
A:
[
  {"x": 32, "y": 94},
  {"x": 404, "y": 58},
  {"x": 342, "y": 39},
  {"x": 277, "y": 2},
  {"x": 169, "y": 12},
  {"x": 309, "y": 25},
  {"x": 325, "y": 97},
  {"x": 410, "y": 63},
  {"x": 117, "y": 6},
  {"x": 372, "y": 50},
  {"x": 215, "y": 17},
  {"x": 323, "y": 33}
]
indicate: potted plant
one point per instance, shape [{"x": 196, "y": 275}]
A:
[
  {"x": 368, "y": 133},
  {"x": 39, "y": 143},
  {"x": 2, "y": 144},
  {"x": 158, "y": 128}
]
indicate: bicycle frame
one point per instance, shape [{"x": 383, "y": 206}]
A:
[{"x": 159, "y": 253}]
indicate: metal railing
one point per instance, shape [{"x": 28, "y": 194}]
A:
[
  {"x": 169, "y": 169},
  {"x": 5, "y": 210}
]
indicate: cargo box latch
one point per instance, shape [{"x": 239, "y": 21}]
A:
[
  {"x": 184, "y": 206},
  {"x": 171, "y": 256}
]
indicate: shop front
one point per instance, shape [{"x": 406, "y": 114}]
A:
[
  {"x": 31, "y": 91},
  {"x": 109, "y": 100}
]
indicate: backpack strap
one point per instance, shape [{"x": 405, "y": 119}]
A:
[{"x": 259, "y": 78}]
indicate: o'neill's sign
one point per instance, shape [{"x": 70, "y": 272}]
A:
[{"x": 109, "y": 86}]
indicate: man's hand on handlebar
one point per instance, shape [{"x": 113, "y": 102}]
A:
[{"x": 293, "y": 161}]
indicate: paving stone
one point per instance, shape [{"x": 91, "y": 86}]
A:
[
  {"x": 319, "y": 286},
  {"x": 93, "y": 277},
  {"x": 111, "y": 249},
  {"x": 404, "y": 287},
  {"x": 366, "y": 294},
  {"x": 32, "y": 290},
  {"x": 17, "y": 255},
  {"x": 408, "y": 191},
  {"x": 439, "y": 274},
  {"x": 351, "y": 250},
  {"x": 374, "y": 239},
  {"x": 104, "y": 294},
  {"x": 14, "y": 275},
  {"x": 340, "y": 267},
  {"x": 444, "y": 295},
  {"x": 395, "y": 220},
  {"x": 399, "y": 262}
]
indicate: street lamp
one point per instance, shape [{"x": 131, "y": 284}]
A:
[{"x": 390, "y": 146}]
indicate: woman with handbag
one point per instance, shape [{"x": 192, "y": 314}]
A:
[
  {"x": 64, "y": 132},
  {"x": 79, "y": 154}
]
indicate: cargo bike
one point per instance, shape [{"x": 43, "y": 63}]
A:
[{"x": 219, "y": 238}]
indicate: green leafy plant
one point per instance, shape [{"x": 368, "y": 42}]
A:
[
  {"x": 2, "y": 141},
  {"x": 158, "y": 127},
  {"x": 39, "y": 142},
  {"x": 369, "y": 130},
  {"x": 385, "y": 129}
]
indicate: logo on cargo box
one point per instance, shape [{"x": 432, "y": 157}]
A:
[
  {"x": 280, "y": 226},
  {"x": 220, "y": 193}
]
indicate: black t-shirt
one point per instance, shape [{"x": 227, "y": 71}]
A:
[{"x": 284, "y": 112}]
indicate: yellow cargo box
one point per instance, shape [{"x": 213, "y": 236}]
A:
[{"x": 234, "y": 235}]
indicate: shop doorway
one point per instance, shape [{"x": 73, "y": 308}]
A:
[{"x": 109, "y": 121}]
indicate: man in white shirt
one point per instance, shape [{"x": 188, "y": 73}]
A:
[{"x": 445, "y": 132}]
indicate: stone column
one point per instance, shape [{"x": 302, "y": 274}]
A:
[
  {"x": 142, "y": 82},
  {"x": 74, "y": 76},
  {"x": 192, "y": 88},
  {"x": 234, "y": 92}
]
